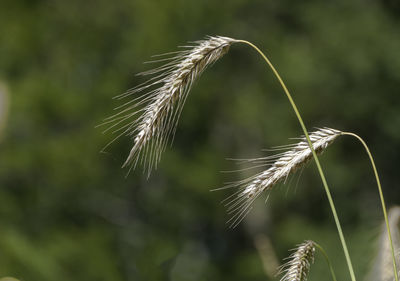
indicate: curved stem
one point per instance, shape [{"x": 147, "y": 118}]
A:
[
  {"x": 328, "y": 193},
  {"x": 378, "y": 182},
  {"x": 327, "y": 260}
]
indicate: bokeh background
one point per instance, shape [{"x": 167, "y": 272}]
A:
[{"x": 67, "y": 211}]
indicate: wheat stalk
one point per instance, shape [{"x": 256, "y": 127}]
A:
[
  {"x": 164, "y": 96},
  {"x": 298, "y": 266},
  {"x": 160, "y": 108},
  {"x": 281, "y": 166}
]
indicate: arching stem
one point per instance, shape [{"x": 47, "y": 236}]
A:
[
  {"x": 327, "y": 260},
  {"x": 378, "y": 182},
  {"x": 328, "y": 193}
]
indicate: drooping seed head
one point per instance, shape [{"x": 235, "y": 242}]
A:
[
  {"x": 298, "y": 266},
  {"x": 152, "y": 118},
  {"x": 280, "y": 167}
]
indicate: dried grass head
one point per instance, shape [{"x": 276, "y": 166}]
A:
[
  {"x": 299, "y": 262},
  {"x": 151, "y": 119},
  {"x": 281, "y": 165}
]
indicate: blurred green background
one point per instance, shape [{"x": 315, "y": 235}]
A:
[{"x": 67, "y": 212}]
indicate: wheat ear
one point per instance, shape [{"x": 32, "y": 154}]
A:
[
  {"x": 164, "y": 96},
  {"x": 281, "y": 166},
  {"x": 298, "y": 266}
]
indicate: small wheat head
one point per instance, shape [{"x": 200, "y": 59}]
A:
[
  {"x": 298, "y": 266},
  {"x": 281, "y": 166},
  {"x": 151, "y": 118}
]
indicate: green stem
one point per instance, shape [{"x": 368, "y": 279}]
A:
[
  {"x": 328, "y": 193},
  {"x": 381, "y": 197},
  {"x": 327, "y": 260}
]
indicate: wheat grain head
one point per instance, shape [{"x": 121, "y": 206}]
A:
[
  {"x": 281, "y": 166},
  {"x": 298, "y": 266},
  {"x": 151, "y": 118}
]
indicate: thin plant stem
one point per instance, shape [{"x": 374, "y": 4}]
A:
[
  {"x": 327, "y": 260},
  {"x": 378, "y": 182},
  {"x": 327, "y": 190}
]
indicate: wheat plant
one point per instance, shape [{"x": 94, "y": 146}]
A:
[{"x": 151, "y": 119}]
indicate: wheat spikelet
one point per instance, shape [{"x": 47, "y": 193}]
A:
[
  {"x": 152, "y": 118},
  {"x": 383, "y": 264},
  {"x": 280, "y": 167},
  {"x": 298, "y": 266}
]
